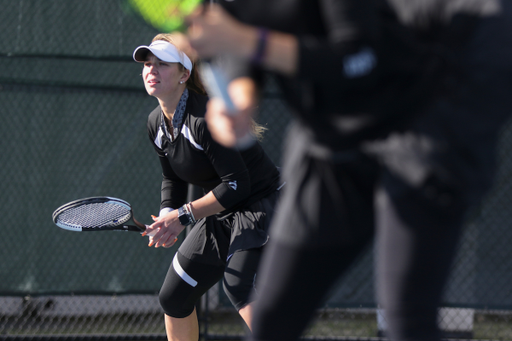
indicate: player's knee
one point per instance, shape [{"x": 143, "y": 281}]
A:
[
  {"x": 176, "y": 305},
  {"x": 177, "y": 297},
  {"x": 238, "y": 291},
  {"x": 172, "y": 306}
]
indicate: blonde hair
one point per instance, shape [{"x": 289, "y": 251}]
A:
[
  {"x": 258, "y": 130},
  {"x": 194, "y": 82}
]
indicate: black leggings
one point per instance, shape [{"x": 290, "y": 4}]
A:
[
  {"x": 329, "y": 212},
  {"x": 188, "y": 280},
  {"x": 412, "y": 267}
]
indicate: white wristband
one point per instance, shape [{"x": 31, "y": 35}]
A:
[{"x": 164, "y": 211}]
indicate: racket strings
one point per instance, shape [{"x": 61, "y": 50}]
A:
[{"x": 94, "y": 215}]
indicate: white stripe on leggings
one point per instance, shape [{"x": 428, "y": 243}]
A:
[{"x": 179, "y": 270}]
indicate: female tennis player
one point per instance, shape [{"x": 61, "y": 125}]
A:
[{"x": 229, "y": 223}]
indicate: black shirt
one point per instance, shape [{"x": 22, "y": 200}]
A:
[
  {"x": 365, "y": 67},
  {"x": 237, "y": 179}
]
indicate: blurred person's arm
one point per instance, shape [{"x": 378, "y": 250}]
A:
[
  {"x": 340, "y": 52},
  {"x": 214, "y": 31},
  {"x": 340, "y": 58}
]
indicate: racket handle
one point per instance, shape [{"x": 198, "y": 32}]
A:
[{"x": 217, "y": 85}]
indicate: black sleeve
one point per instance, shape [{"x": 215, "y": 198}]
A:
[
  {"x": 173, "y": 190},
  {"x": 348, "y": 49},
  {"x": 235, "y": 183},
  {"x": 337, "y": 38}
]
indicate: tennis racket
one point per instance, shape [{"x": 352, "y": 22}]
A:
[
  {"x": 97, "y": 214},
  {"x": 163, "y": 15}
]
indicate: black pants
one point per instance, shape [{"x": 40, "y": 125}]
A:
[
  {"x": 328, "y": 215},
  {"x": 412, "y": 190}
]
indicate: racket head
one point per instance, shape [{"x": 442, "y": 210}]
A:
[
  {"x": 95, "y": 214},
  {"x": 164, "y": 15}
]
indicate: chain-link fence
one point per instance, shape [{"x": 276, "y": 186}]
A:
[{"x": 73, "y": 111}]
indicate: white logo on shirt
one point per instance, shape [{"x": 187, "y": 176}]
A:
[
  {"x": 359, "y": 64},
  {"x": 233, "y": 184}
]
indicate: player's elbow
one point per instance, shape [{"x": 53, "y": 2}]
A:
[{"x": 231, "y": 192}]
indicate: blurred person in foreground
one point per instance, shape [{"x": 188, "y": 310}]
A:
[
  {"x": 228, "y": 225},
  {"x": 397, "y": 109}
]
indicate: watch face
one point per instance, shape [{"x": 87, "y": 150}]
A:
[
  {"x": 183, "y": 217},
  {"x": 184, "y": 220}
]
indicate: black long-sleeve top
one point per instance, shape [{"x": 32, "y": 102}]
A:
[
  {"x": 356, "y": 57},
  {"x": 236, "y": 178}
]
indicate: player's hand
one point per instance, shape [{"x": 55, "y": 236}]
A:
[
  {"x": 212, "y": 31},
  {"x": 182, "y": 42},
  {"x": 228, "y": 128},
  {"x": 164, "y": 231}
]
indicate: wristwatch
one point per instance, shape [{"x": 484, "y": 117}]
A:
[{"x": 184, "y": 217}]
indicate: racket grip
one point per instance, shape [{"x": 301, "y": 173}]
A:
[{"x": 217, "y": 85}]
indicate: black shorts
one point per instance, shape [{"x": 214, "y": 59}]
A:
[{"x": 227, "y": 249}]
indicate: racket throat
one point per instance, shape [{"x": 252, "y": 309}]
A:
[{"x": 139, "y": 225}]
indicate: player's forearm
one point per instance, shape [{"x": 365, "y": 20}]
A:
[
  {"x": 280, "y": 51},
  {"x": 206, "y": 206},
  {"x": 274, "y": 50},
  {"x": 214, "y": 32}
]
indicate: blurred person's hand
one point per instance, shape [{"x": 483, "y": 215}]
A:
[
  {"x": 228, "y": 128},
  {"x": 182, "y": 42},
  {"x": 213, "y": 31}
]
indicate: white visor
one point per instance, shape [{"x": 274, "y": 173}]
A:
[{"x": 164, "y": 51}]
